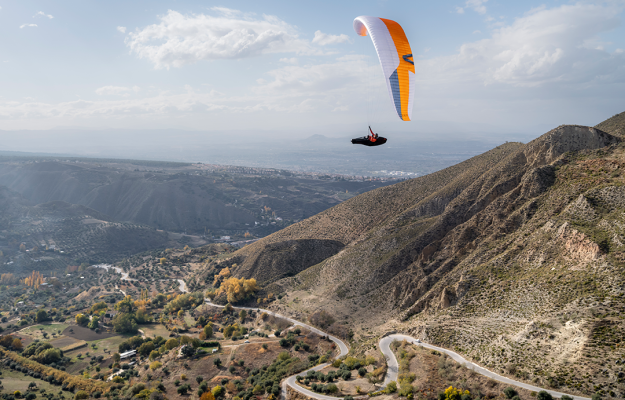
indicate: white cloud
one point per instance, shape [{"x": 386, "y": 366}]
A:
[
  {"x": 325, "y": 39},
  {"x": 43, "y": 15},
  {"x": 26, "y": 25},
  {"x": 545, "y": 62},
  {"x": 476, "y": 5},
  {"x": 121, "y": 29},
  {"x": 332, "y": 86},
  {"x": 545, "y": 46},
  {"x": 227, "y": 12},
  {"x": 114, "y": 91},
  {"x": 291, "y": 60},
  {"x": 183, "y": 39}
]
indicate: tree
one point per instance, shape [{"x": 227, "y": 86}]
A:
[
  {"x": 242, "y": 315},
  {"x": 154, "y": 354},
  {"x": 208, "y": 330},
  {"x": 146, "y": 348},
  {"x": 116, "y": 357},
  {"x": 41, "y": 315},
  {"x": 229, "y": 331},
  {"x": 171, "y": 344},
  {"x": 451, "y": 393},
  {"x": 124, "y": 323},
  {"x": 207, "y": 396},
  {"x": 218, "y": 391},
  {"x": 17, "y": 344},
  {"x": 217, "y": 362},
  {"x": 82, "y": 319},
  {"x": 126, "y": 305},
  {"x": 509, "y": 392},
  {"x": 544, "y": 395},
  {"x": 95, "y": 323},
  {"x": 188, "y": 351},
  {"x": 596, "y": 396}
]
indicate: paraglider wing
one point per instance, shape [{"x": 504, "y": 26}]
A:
[{"x": 396, "y": 58}]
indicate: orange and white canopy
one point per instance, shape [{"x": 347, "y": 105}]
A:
[{"x": 396, "y": 58}]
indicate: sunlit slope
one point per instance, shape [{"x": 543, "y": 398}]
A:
[
  {"x": 313, "y": 240},
  {"x": 614, "y": 126},
  {"x": 519, "y": 251},
  {"x": 392, "y": 245}
]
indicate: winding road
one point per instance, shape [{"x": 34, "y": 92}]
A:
[
  {"x": 384, "y": 345},
  {"x": 393, "y": 366}
]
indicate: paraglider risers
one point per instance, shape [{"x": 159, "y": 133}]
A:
[{"x": 365, "y": 141}]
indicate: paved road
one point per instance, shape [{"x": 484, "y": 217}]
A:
[
  {"x": 385, "y": 342},
  {"x": 343, "y": 350},
  {"x": 393, "y": 367}
]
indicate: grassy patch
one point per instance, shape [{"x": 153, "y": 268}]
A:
[
  {"x": 13, "y": 380},
  {"x": 44, "y": 332}
]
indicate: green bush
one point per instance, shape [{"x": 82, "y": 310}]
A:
[
  {"x": 391, "y": 387},
  {"x": 509, "y": 392},
  {"x": 544, "y": 395},
  {"x": 81, "y": 394}
]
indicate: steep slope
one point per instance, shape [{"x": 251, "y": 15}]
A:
[
  {"x": 614, "y": 126},
  {"x": 515, "y": 258},
  {"x": 307, "y": 243}
]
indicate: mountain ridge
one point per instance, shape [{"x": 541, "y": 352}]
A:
[{"x": 495, "y": 254}]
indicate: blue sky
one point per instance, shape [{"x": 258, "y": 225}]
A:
[{"x": 290, "y": 65}]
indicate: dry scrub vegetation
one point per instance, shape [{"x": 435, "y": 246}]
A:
[{"x": 515, "y": 258}]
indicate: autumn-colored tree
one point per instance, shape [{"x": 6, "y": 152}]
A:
[
  {"x": 7, "y": 278},
  {"x": 162, "y": 261},
  {"x": 237, "y": 289},
  {"x": 451, "y": 393},
  {"x": 17, "y": 344},
  {"x": 82, "y": 319},
  {"x": 207, "y": 396},
  {"x": 34, "y": 280},
  {"x": 98, "y": 307}
]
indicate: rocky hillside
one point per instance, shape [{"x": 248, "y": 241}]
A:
[{"x": 515, "y": 258}]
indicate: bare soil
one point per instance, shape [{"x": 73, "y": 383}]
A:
[{"x": 82, "y": 333}]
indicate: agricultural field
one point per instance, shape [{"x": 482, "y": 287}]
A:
[
  {"x": 44, "y": 332},
  {"x": 14, "y": 380}
]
